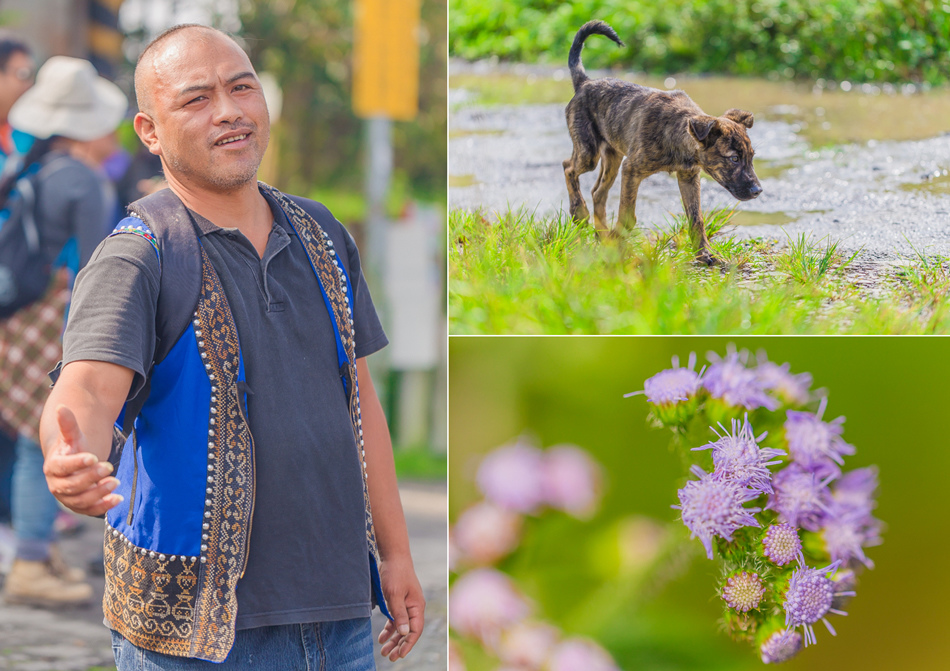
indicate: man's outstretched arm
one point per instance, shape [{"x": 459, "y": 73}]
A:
[
  {"x": 76, "y": 434},
  {"x": 400, "y": 585}
]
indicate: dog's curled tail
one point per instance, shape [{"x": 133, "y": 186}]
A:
[{"x": 578, "y": 75}]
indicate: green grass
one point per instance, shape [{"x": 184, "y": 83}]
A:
[
  {"x": 516, "y": 273},
  {"x": 420, "y": 463}
]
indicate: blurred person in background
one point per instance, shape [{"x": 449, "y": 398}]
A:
[
  {"x": 238, "y": 533},
  {"x": 16, "y": 76},
  {"x": 70, "y": 112}
]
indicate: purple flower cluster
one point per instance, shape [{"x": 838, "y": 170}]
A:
[
  {"x": 523, "y": 479},
  {"x": 485, "y": 605},
  {"x": 788, "y": 482}
]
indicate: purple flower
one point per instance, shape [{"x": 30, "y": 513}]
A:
[
  {"x": 713, "y": 507},
  {"x": 781, "y": 544},
  {"x": 737, "y": 456},
  {"x": 855, "y": 490},
  {"x": 571, "y": 480},
  {"x": 485, "y": 533},
  {"x": 728, "y": 379},
  {"x": 809, "y": 598},
  {"x": 578, "y": 653},
  {"x": 528, "y": 644},
  {"x": 743, "y": 591},
  {"x": 812, "y": 442},
  {"x": 781, "y": 646},
  {"x": 800, "y": 497},
  {"x": 483, "y": 603},
  {"x": 512, "y": 477},
  {"x": 673, "y": 385},
  {"x": 793, "y": 389},
  {"x": 847, "y": 532}
]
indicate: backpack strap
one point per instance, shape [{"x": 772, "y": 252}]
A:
[{"x": 164, "y": 221}]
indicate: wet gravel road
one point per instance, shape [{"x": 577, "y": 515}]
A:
[{"x": 884, "y": 197}]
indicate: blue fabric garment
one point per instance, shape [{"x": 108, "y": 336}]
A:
[
  {"x": 344, "y": 645},
  {"x": 170, "y": 471}
]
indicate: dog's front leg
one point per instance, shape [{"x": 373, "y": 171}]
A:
[
  {"x": 689, "y": 189},
  {"x": 630, "y": 179}
]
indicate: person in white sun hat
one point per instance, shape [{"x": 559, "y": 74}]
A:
[{"x": 71, "y": 113}]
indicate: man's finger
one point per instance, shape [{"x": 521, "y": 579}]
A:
[
  {"x": 69, "y": 429},
  {"x": 387, "y": 631},
  {"x": 416, "y": 624},
  {"x": 63, "y": 465},
  {"x": 94, "y": 500}
]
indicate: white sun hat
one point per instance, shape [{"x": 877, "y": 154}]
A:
[{"x": 71, "y": 100}]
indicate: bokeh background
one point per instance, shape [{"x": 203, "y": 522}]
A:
[{"x": 588, "y": 578}]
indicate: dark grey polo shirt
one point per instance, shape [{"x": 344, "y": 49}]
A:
[{"x": 308, "y": 559}]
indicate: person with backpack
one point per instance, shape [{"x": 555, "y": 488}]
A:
[
  {"x": 216, "y": 350},
  {"x": 56, "y": 214},
  {"x": 16, "y": 76}
]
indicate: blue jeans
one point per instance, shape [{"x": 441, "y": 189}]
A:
[
  {"x": 346, "y": 645},
  {"x": 34, "y": 508}
]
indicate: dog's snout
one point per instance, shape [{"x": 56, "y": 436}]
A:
[{"x": 755, "y": 190}]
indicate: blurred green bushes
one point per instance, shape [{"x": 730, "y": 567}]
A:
[
  {"x": 307, "y": 45},
  {"x": 856, "y": 40}
]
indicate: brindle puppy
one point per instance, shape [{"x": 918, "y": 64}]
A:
[{"x": 655, "y": 131}]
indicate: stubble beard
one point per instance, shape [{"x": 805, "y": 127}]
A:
[{"x": 215, "y": 176}]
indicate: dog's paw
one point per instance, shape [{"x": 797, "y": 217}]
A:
[{"x": 705, "y": 258}]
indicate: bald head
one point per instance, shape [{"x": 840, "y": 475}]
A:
[{"x": 156, "y": 52}]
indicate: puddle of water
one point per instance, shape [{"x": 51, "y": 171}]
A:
[
  {"x": 748, "y": 218},
  {"x": 937, "y": 185},
  {"x": 766, "y": 169},
  {"x": 462, "y": 180},
  {"x": 825, "y": 117}
]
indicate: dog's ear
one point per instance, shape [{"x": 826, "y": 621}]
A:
[
  {"x": 740, "y": 116},
  {"x": 701, "y": 127}
]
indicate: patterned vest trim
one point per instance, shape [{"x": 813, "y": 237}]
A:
[{"x": 173, "y": 560}]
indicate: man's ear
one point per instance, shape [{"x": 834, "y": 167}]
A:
[
  {"x": 145, "y": 129},
  {"x": 740, "y": 116},
  {"x": 701, "y": 127}
]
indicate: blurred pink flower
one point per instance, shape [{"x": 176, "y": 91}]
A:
[
  {"x": 485, "y": 533},
  {"x": 483, "y": 603},
  {"x": 512, "y": 477},
  {"x": 579, "y": 654},
  {"x": 571, "y": 480},
  {"x": 456, "y": 663},
  {"x": 528, "y": 645}
]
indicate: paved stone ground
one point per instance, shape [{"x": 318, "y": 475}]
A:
[{"x": 75, "y": 640}]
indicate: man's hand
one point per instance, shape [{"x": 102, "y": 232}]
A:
[
  {"x": 74, "y": 475},
  {"x": 407, "y": 606}
]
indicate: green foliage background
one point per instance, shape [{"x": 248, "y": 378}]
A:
[
  {"x": 857, "y": 40},
  {"x": 570, "y": 389},
  {"x": 308, "y": 46}
]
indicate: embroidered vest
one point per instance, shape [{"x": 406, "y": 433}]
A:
[{"x": 177, "y": 545}]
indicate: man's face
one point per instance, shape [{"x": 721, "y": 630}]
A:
[
  {"x": 209, "y": 120},
  {"x": 15, "y": 79}
]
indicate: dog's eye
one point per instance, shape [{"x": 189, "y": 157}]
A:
[{"x": 734, "y": 159}]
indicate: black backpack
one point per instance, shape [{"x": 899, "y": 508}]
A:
[{"x": 24, "y": 269}]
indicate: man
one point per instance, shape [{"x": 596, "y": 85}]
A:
[{"x": 284, "y": 530}]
